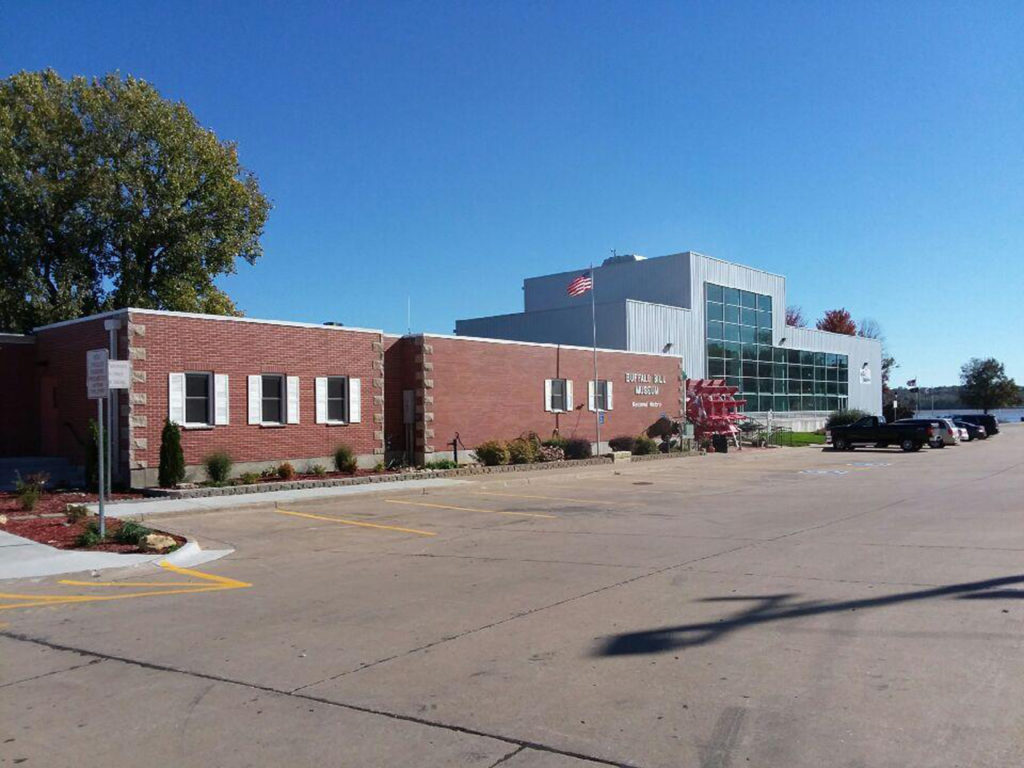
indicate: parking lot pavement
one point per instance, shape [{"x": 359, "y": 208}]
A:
[{"x": 793, "y": 607}]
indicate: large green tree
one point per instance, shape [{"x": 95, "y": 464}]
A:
[
  {"x": 112, "y": 196},
  {"x": 984, "y": 384}
]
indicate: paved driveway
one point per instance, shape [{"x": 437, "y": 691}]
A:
[{"x": 781, "y": 608}]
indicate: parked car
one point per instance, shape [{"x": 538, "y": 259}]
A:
[
  {"x": 872, "y": 430},
  {"x": 973, "y": 431},
  {"x": 986, "y": 420},
  {"x": 942, "y": 433}
]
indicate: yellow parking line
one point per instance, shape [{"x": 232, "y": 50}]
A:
[
  {"x": 546, "y": 498},
  {"x": 356, "y": 522},
  {"x": 466, "y": 509},
  {"x": 217, "y": 584}
]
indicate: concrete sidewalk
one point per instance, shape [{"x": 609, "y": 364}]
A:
[
  {"x": 22, "y": 558},
  {"x": 128, "y": 509}
]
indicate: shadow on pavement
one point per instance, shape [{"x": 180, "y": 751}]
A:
[{"x": 780, "y": 607}]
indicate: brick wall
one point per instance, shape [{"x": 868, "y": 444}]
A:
[
  {"x": 399, "y": 352},
  {"x": 161, "y": 344},
  {"x": 19, "y": 407},
  {"x": 60, "y": 364},
  {"x": 489, "y": 390}
]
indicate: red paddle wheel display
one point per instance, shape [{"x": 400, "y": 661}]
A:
[{"x": 713, "y": 408}]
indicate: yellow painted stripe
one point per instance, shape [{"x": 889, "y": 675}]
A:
[
  {"x": 356, "y": 522},
  {"x": 466, "y": 509},
  {"x": 546, "y": 498},
  {"x": 73, "y": 583}
]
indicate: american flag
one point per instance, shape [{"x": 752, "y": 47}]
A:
[
  {"x": 580, "y": 285},
  {"x": 912, "y": 383}
]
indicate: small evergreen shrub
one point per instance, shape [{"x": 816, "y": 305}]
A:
[
  {"x": 130, "y": 532},
  {"x": 622, "y": 443},
  {"x": 345, "y": 459},
  {"x": 441, "y": 464},
  {"x": 577, "y": 448},
  {"x": 644, "y": 446},
  {"x": 492, "y": 453},
  {"x": 379, "y": 467},
  {"x": 29, "y": 489},
  {"x": 316, "y": 469},
  {"x": 218, "y": 467},
  {"x": 248, "y": 478},
  {"x": 286, "y": 471},
  {"x": 76, "y": 514},
  {"x": 90, "y": 537},
  {"x": 172, "y": 459},
  {"x": 522, "y": 451}
]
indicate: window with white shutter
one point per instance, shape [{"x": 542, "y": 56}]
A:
[
  {"x": 176, "y": 398},
  {"x": 599, "y": 395},
  {"x": 292, "y": 391},
  {"x": 221, "y": 402},
  {"x": 355, "y": 401},
  {"x": 320, "y": 396},
  {"x": 559, "y": 395},
  {"x": 255, "y": 399}
]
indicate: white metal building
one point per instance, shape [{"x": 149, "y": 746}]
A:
[{"x": 725, "y": 320}]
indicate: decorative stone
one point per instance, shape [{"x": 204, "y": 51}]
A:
[
  {"x": 136, "y": 353},
  {"x": 139, "y": 376},
  {"x": 157, "y": 542}
]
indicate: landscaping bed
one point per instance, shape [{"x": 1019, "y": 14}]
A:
[
  {"x": 54, "y": 502},
  {"x": 64, "y": 533}
]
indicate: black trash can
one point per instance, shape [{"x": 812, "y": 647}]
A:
[{"x": 720, "y": 443}]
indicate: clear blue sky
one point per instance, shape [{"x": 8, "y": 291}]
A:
[{"x": 871, "y": 152}]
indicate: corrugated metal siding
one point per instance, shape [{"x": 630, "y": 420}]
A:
[
  {"x": 571, "y": 325},
  {"x": 649, "y": 327},
  {"x": 661, "y": 280}
]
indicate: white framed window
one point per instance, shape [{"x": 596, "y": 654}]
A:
[
  {"x": 599, "y": 395},
  {"x": 558, "y": 395},
  {"x": 273, "y": 399},
  {"x": 338, "y": 400},
  {"x": 198, "y": 399}
]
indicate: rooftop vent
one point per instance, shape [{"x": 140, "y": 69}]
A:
[{"x": 622, "y": 258}]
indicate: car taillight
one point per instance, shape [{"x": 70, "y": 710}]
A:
[{"x": 931, "y": 432}]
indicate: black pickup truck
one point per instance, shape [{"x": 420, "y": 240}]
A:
[{"x": 872, "y": 430}]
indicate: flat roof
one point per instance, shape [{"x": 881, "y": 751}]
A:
[
  {"x": 543, "y": 344},
  {"x": 201, "y": 316}
]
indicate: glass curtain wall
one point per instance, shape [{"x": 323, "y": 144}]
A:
[{"x": 739, "y": 350}]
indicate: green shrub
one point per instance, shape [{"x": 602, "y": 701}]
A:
[
  {"x": 316, "y": 469},
  {"x": 29, "y": 489},
  {"x": 492, "y": 453},
  {"x": 345, "y": 459},
  {"x": 218, "y": 467},
  {"x": 249, "y": 478},
  {"x": 577, "y": 448},
  {"x": 76, "y": 514},
  {"x": 379, "y": 467},
  {"x": 843, "y": 417},
  {"x": 130, "y": 532},
  {"x": 622, "y": 443},
  {"x": 556, "y": 441},
  {"x": 88, "y": 539},
  {"x": 441, "y": 464},
  {"x": 286, "y": 471},
  {"x": 522, "y": 451},
  {"x": 172, "y": 459},
  {"x": 644, "y": 446}
]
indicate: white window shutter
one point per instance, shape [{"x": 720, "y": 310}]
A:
[
  {"x": 570, "y": 404},
  {"x": 321, "y": 399},
  {"x": 591, "y": 393},
  {"x": 255, "y": 399},
  {"x": 547, "y": 395},
  {"x": 292, "y": 394},
  {"x": 355, "y": 401},
  {"x": 608, "y": 389},
  {"x": 176, "y": 398},
  {"x": 221, "y": 409}
]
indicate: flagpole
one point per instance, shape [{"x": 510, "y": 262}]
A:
[{"x": 593, "y": 324}]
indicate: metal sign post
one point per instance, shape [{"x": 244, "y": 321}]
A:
[
  {"x": 96, "y": 380},
  {"x": 102, "y": 375}
]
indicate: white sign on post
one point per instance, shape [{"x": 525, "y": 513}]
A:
[
  {"x": 119, "y": 374},
  {"x": 96, "y": 373}
]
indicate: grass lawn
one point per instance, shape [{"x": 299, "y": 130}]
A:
[{"x": 797, "y": 439}]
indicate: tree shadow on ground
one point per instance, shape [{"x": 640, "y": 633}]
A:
[{"x": 780, "y": 607}]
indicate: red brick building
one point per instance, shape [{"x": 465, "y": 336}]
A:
[
  {"x": 267, "y": 391},
  {"x": 483, "y": 389}
]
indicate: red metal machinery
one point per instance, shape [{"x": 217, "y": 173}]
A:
[{"x": 712, "y": 408}]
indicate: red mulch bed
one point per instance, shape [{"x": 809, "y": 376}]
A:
[
  {"x": 53, "y": 502},
  {"x": 57, "y": 532}
]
